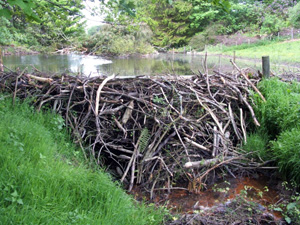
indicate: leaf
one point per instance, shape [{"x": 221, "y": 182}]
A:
[
  {"x": 278, "y": 209},
  {"x": 291, "y": 205},
  {"x": 20, "y": 201},
  {"x": 6, "y": 13},
  {"x": 288, "y": 219},
  {"x": 14, "y": 194}
]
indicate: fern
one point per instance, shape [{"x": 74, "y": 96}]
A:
[{"x": 144, "y": 139}]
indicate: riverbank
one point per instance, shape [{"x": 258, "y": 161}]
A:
[{"x": 44, "y": 178}]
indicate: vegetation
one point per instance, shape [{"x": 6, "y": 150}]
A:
[
  {"x": 44, "y": 180},
  {"x": 168, "y": 24},
  {"x": 40, "y": 23},
  {"x": 278, "y": 51},
  {"x": 279, "y": 127}
]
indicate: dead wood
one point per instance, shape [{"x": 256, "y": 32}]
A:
[{"x": 150, "y": 130}]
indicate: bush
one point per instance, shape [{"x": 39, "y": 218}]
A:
[
  {"x": 280, "y": 128},
  {"x": 120, "y": 40},
  {"x": 206, "y": 37},
  {"x": 272, "y": 24},
  {"x": 294, "y": 16},
  {"x": 286, "y": 151},
  {"x": 6, "y": 37},
  {"x": 281, "y": 109}
]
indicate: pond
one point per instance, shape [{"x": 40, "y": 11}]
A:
[{"x": 180, "y": 64}]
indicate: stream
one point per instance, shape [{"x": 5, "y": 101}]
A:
[
  {"x": 179, "y": 64},
  {"x": 218, "y": 196}
]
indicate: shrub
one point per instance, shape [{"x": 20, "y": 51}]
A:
[
  {"x": 281, "y": 110},
  {"x": 6, "y": 37},
  {"x": 294, "y": 16},
  {"x": 286, "y": 150}
]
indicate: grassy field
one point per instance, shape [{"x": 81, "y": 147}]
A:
[
  {"x": 279, "y": 52},
  {"x": 43, "y": 179}
]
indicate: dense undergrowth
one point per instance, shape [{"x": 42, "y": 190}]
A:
[
  {"x": 278, "y": 137},
  {"x": 44, "y": 180}
]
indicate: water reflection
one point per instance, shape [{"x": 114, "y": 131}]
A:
[
  {"x": 180, "y": 64},
  {"x": 57, "y": 63}
]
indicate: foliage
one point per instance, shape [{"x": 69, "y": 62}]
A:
[
  {"x": 54, "y": 23},
  {"x": 6, "y": 36},
  {"x": 290, "y": 206},
  {"x": 286, "y": 151},
  {"x": 169, "y": 23},
  {"x": 120, "y": 40},
  {"x": 294, "y": 16},
  {"x": 7, "y": 8},
  {"x": 281, "y": 109},
  {"x": 257, "y": 145},
  {"x": 280, "y": 129},
  {"x": 43, "y": 179},
  {"x": 207, "y": 37},
  {"x": 272, "y": 24}
]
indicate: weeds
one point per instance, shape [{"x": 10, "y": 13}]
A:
[{"x": 278, "y": 138}]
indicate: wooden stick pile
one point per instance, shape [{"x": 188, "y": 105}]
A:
[{"x": 152, "y": 131}]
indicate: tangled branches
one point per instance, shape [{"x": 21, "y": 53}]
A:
[{"x": 152, "y": 131}]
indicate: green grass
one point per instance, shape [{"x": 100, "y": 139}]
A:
[
  {"x": 43, "y": 179},
  {"x": 278, "y": 137},
  {"x": 279, "y": 52}
]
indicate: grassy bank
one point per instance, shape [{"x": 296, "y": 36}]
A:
[
  {"x": 286, "y": 51},
  {"x": 43, "y": 179}
]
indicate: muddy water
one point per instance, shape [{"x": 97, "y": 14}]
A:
[
  {"x": 180, "y": 64},
  {"x": 182, "y": 201}
]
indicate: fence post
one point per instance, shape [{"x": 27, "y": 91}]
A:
[
  {"x": 1, "y": 61},
  {"x": 266, "y": 66},
  {"x": 292, "y": 33}
]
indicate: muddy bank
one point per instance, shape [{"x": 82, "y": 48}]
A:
[{"x": 243, "y": 200}]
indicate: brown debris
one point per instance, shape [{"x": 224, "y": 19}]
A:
[{"x": 150, "y": 129}]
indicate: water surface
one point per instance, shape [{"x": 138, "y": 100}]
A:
[{"x": 180, "y": 64}]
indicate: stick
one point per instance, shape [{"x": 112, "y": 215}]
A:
[
  {"x": 249, "y": 81},
  {"x": 196, "y": 144},
  {"x": 99, "y": 92},
  {"x": 42, "y": 79}
]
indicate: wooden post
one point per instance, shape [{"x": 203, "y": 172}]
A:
[
  {"x": 1, "y": 61},
  {"x": 248, "y": 41},
  {"x": 266, "y": 66},
  {"x": 292, "y": 33},
  {"x": 184, "y": 50}
]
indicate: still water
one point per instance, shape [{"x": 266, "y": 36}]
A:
[{"x": 180, "y": 64}]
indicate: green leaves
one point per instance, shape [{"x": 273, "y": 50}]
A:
[{"x": 7, "y": 8}]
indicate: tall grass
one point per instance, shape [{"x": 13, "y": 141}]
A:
[
  {"x": 279, "y": 133},
  {"x": 43, "y": 179}
]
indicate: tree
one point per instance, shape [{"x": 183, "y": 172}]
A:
[{"x": 7, "y": 8}]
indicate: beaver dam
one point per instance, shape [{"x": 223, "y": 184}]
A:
[{"x": 157, "y": 131}]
